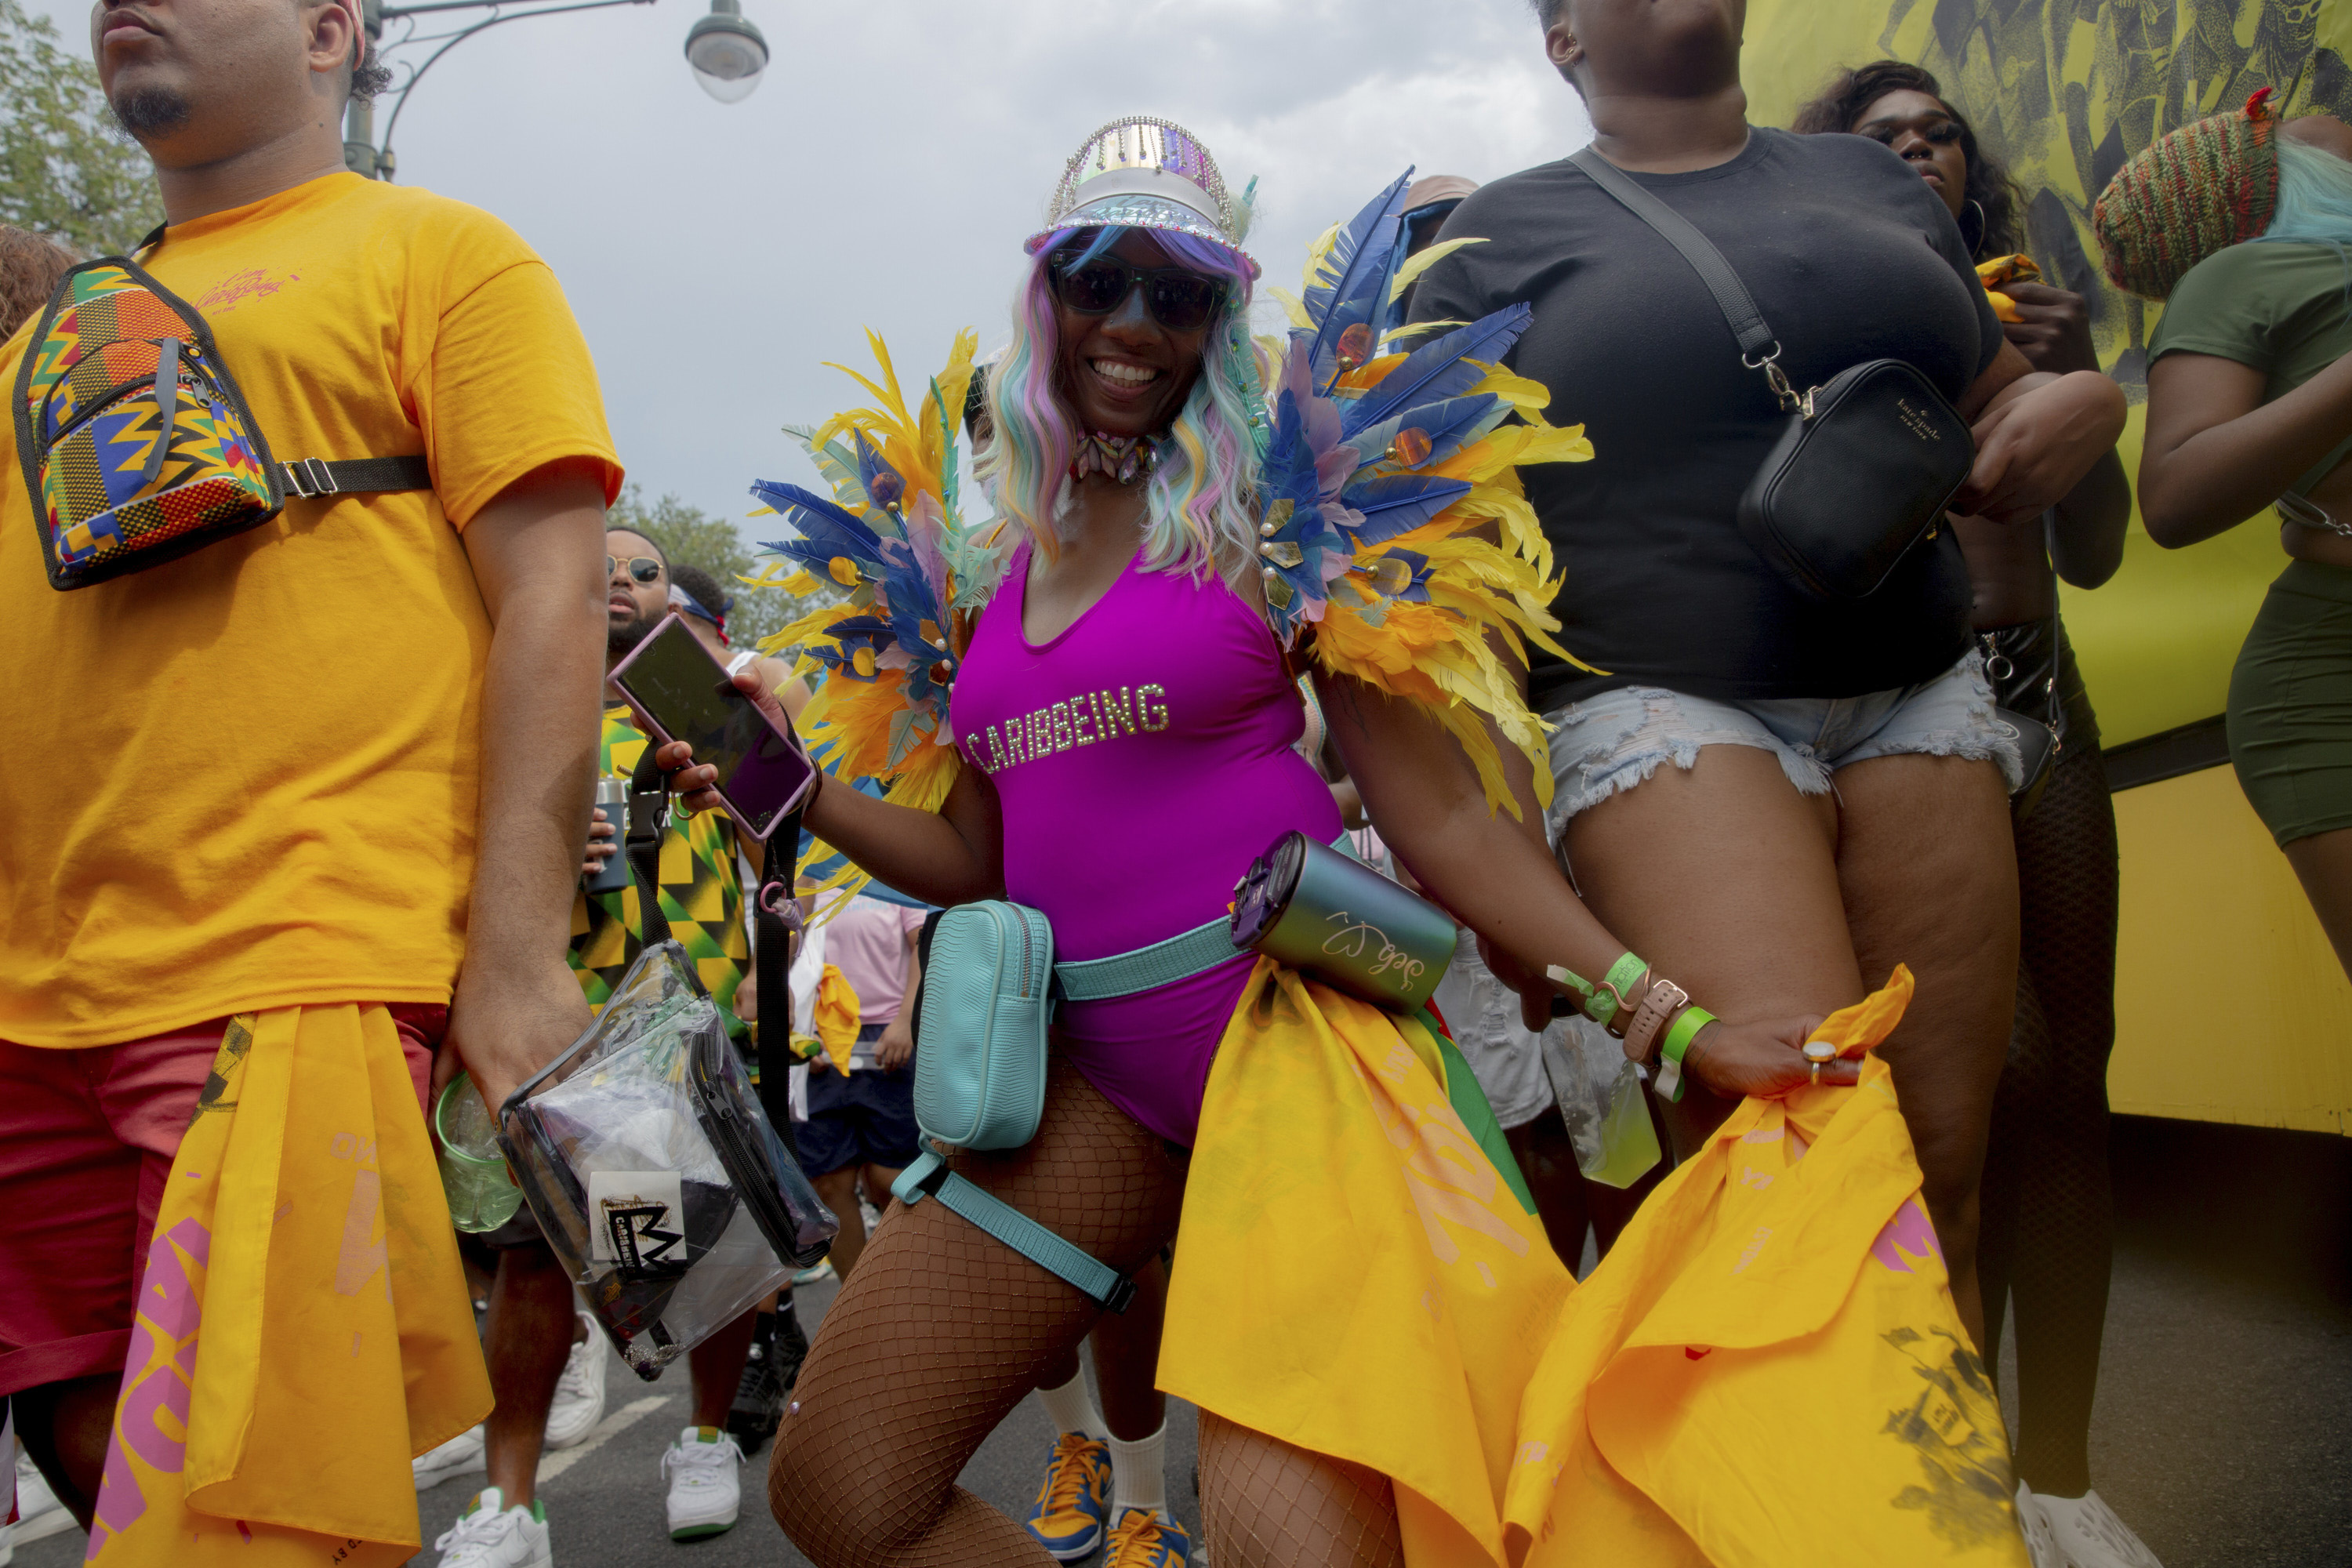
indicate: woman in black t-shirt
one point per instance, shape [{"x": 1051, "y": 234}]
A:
[
  {"x": 2049, "y": 1211},
  {"x": 1836, "y": 803}
]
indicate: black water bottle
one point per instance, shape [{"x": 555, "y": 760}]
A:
[{"x": 612, "y": 796}]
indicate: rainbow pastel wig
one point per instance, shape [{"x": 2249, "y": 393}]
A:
[{"x": 1202, "y": 495}]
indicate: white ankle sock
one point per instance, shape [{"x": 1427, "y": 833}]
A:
[
  {"x": 1138, "y": 1474},
  {"x": 1072, "y": 1409}
]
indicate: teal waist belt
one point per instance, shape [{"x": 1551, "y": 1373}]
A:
[{"x": 1195, "y": 951}]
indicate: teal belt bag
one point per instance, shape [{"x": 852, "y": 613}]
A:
[{"x": 979, "y": 1079}]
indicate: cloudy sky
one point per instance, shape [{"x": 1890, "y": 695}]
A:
[{"x": 893, "y": 157}]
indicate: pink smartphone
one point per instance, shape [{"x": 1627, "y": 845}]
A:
[{"x": 680, "y": 694}]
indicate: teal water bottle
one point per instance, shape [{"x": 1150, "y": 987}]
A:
[{"x": 1330, "y": 915}]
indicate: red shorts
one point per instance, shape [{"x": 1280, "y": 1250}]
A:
[{"x": 87, "y": 1139}]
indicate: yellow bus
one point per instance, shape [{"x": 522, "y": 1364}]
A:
[{"x": 2210, "y": 907}]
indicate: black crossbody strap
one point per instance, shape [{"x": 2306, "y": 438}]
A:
[
  {"x": 311, "y": 477},
  {"x": 642, "y": 841},
  {"x": 1731, "y": 296},
  {"x": 772, "y": 958}
]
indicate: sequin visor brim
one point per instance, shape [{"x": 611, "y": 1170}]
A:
[{"x": 1127, "y": 211}]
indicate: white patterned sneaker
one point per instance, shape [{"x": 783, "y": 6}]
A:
[
  {"x": 454, "y": 1458},
  {"x": 489, "y": 1534},
  {"x": 580, "y": 1394},
  {"x": 2040, "y": 1544},
  {"x": 2089, "y": 1535},
  {"x": 703, "y": 1468}
]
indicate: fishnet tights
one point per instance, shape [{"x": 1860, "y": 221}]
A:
[
  {"x": 942, "y": 1330},
  {"x": 1266, "y": 1504},
  {"x": 2048, "y": 1232}
]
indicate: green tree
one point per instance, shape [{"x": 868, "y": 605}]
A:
[
  {"x": 690, "y": 535},
  {"x": 64, "y": 170}
]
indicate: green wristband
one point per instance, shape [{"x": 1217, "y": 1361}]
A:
[
  {"x": 1678, "y": 1039},
  {"x": 1602, "y": 1004}
]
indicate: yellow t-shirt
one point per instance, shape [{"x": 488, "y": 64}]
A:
[{"x": 247, "y": 778}]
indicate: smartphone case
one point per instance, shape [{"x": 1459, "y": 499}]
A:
[{"x": 788, "y": 812}]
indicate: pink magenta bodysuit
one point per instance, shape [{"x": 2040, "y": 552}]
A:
[{"x": 1143, "y": 760}]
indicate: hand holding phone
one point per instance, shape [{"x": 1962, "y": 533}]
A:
[{"x": 680, "y": 694}]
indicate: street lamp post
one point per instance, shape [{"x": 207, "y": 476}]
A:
[{"x": 726, "y": 50}]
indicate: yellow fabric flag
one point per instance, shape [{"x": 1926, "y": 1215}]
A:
[
  {"x": 1353, "y": 1273},
  {"x": 1768, "y": 1367},
  {"x": 302, "y": 1327},
  {"x": 837, "y": 1017}
]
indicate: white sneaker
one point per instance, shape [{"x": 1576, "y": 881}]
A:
[
  {"x": 489, "y": 1534},
  {"x": 38, "y": 1512},
  {"x": 2089, "y": 1535},
  {"x": 580, "y": 1393},
  {"x": 2040, "y": 1544},
  {"x": 454, "y": 1458},
  {"x": 705, "y": 1485}
]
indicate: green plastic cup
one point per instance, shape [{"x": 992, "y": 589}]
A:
[{"x": 482, "y": 1196}]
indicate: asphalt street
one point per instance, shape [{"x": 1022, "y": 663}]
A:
[{"x": 2222, "y": 1433}]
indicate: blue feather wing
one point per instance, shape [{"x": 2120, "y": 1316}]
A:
[
  {"x": 1435, "y": 371},
  {"x": 826, "y": 530},
  {"x": 1366, "y": 254},
  {"x": 1450, "y": 425},
  {"x": 1398, "y": 504}
]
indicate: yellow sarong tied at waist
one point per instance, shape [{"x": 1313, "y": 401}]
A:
[
  {"x": 1359, "y": 1270},
  {"x": 1769, "y": 1368},
  {"x": 302, "y": 1328}
]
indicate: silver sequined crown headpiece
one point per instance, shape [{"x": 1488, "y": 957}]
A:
[{"x": 1144, "y": 173}]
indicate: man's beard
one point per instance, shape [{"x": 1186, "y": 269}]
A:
[
  {"x": 149, "y": 112},
  {"x": 622, "y": 638}
]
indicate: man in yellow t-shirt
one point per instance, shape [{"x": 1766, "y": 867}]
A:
[{"x": 341, "y": 761}]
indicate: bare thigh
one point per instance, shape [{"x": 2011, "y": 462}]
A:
[
  {"x": 1725, "y": 878},
  {"x": 943, "y": 1329},
  {"x": 1930, "y": 870},
  {"x": 2323, "y": 864}
]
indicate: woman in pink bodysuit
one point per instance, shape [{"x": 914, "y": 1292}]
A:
[{"x": 1125, "y": 718}]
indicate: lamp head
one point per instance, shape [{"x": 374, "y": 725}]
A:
[{"x": 727, "y": 52}]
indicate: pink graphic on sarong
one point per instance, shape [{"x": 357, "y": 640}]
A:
[
  {"x": 1909, "y": 1236},
  {"x": 168, "y": 1315}
]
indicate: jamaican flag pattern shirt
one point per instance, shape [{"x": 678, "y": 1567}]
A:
[{"x": 702, "y": 896}]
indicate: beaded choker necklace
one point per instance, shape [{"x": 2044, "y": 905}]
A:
[{"x": 1124, "y": 459}]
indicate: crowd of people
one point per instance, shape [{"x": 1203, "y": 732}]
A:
[{"x": 256, "y": 919}]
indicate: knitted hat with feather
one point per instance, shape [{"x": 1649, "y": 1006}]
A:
[{"x": 2208, "y": 185}]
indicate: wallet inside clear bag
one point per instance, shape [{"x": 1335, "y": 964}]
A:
[{"x": 653, "y": 1172}]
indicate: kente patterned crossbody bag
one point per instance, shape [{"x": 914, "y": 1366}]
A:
[{"x": 136, "y": 446}]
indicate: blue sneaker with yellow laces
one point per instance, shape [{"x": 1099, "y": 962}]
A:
[
  {"x": 1143, "y": 1539},
  {"x": 1074, "y": 1501}
]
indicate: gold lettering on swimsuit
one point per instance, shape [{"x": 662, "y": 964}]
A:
[
  {"x": 1117, "y": 714},
  {"x": 1079, "y": 721}
]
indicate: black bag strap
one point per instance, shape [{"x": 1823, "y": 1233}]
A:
[
  {"x": 1758, "y": 349},
  {"x": 313, "y": 477},
  {"x": 771, "y": 957},
  {"x": 648, "y": 821}
]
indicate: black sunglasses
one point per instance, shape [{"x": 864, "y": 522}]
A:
[
  {"x": 1179, "y": 299},
  {"x": 643, "y": 568}
]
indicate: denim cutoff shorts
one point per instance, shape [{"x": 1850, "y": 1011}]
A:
[{"x": 1619, "y": 738}]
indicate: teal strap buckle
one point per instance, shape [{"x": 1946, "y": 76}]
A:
[{"x": 928, "y": 1176}]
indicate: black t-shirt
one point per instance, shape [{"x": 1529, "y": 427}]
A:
[{"x": 1851, "y": 257}]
